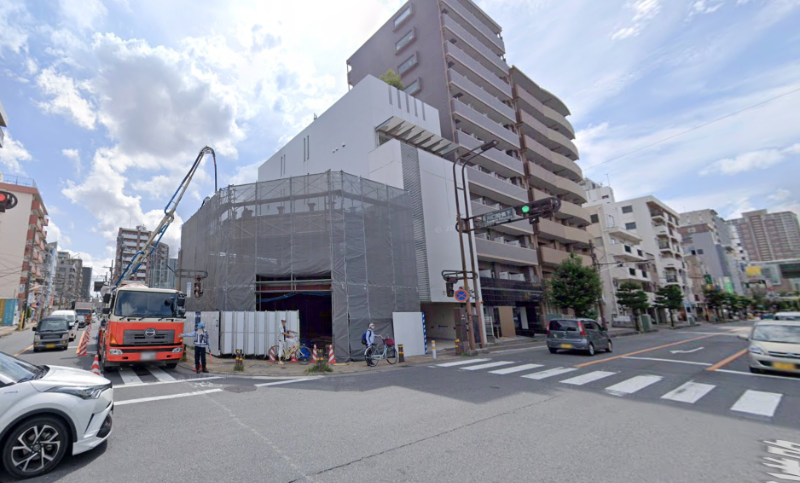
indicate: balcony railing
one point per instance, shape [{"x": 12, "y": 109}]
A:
[
  {"x": 549, "y": 229},
  {"x": 499, "y": 157},
  {"x": 490, "y": 77},
  {"x": 577, "y": 213},
  {"x": 479, "y": 93},
  {"x": 546, "y": 136},
  {"x": 482, "y": 121},
  {"x": 18, "y": 180},
  {"x": 555, "y": 162},
  {"x": 538, "y": 176},
  {"x": 479, "y": 26},
  {"x": 505, "y": 253},
  {"x": 476, "y": 44},
  {"x": 499, "y": 186},
  {"x": 551, "y": 256},
  {"x": 546, "y": 114}
]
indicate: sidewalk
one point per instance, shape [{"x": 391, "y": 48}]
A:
[{"x": 10, "y": 329}]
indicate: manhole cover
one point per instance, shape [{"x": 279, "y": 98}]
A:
[{"x": 238, "y": 389}]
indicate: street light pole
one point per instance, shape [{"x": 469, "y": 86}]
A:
[{"x": 465, "y": 229}]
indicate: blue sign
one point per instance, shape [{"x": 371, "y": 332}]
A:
[{"x": 461, "y": 295}]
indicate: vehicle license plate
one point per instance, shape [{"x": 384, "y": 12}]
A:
[
  {"x": 50, "y": 346},
  {"x": 782, "y": 366},
  {"x": 566, "y": 346},
  {"x": 148, "y": 356}
]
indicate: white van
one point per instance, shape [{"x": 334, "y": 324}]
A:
[{"x": 72, "y": 318}]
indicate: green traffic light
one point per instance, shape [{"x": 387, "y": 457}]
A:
[{"x": 526, "y": 209}]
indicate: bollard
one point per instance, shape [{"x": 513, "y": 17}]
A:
[
  {"x": 401, "y": 353},
  {"x": 433, "y": 347},
  {"x": 239, "y": 365},
  {"x": 458, "y": 347}
]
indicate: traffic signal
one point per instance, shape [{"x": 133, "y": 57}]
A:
[
  {"x": 450, "y": 290},
  {"x": 538, "y": 208},
  {"x": 7, "y": 201},
  {"x": 198, "y": 289}
]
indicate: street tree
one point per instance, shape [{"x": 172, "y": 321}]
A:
[
  {"x": 574, "y": 286},
  {"x": 392, "y": 78},
  {"x": 631, "y": 296},
  {"x": 715, "y": 299},
  {"x": 670, "y": 298}
]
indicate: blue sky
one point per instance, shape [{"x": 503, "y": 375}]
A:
[{"x": 109, "y": 102}]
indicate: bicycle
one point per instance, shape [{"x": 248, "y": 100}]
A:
[
  {"x": 389, "y": 352},
  {"x": 301, "y": 353}
]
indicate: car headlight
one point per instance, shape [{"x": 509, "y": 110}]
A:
[
  {"x": 178, "y": 349},
  {"x": 756, "y": 350},
  {"x": 83, "y": 392},
  {"x": 115, "y": 352}
]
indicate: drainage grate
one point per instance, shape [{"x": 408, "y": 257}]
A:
[{"x": 238, "y": 389}]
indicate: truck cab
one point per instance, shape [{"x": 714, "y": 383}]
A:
[{"x": 142, "y": 326}]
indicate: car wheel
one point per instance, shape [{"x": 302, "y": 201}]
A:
[
  {"x": 591, "y": 349},
  {"x": 610, "y": 347},
  {"x": 35, "y": 349},
  {"x": 35, "y": 447},
  {"x": 552, "y": 350}
]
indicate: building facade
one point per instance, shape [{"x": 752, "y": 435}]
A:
[
  {"x": 50, "y": 274},
  {"x": 158, "y": 272},
  {"x": 706, "y": 235},
  {"x": 129, "y": 242},
  {"x": 22, "y": 248},
  {"x": 450, "y": 55},
  {"x": 69, "y": 280},
  {"x": 768, "y": 236},
  {"x": 86, "y": 284}
]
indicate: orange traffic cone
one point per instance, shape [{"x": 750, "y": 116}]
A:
[
  {"x": 331, "y": 358},
  {"x": 294, "y": 357},
  {"x": 314, "y": 355},
  {"x": 82, "y": 346},
  {"x": 96, "y": 366},
  {"x": 272, "y": 354}
]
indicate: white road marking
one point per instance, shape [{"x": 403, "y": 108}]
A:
[
  {"x": 587, "y": 378},
  {"x": 771, "y": 376},
  {"x": 159, "y": 398},
  {"x": 160, "y": 375},
  {"x": 167, "y": 382},
  {"x": 291, "y": 381},
  {"x": 758, "y": 403},
  {"x": 129, "y": 377},
  {"x": 505, "y": 351},
  {"x": 679, "y": 351},
  {"x": 511, "y": 370},
  {"x": 487, "y": 366},
  {"x": 461, "y": 363},
  {"x": 691, "y": 392},
  {"x": 632, "y": 385},
  {"x": 549, "y": 373},
  {"x": 667, "y": 360}
]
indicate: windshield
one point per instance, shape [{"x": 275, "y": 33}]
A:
[
  {"x": 83, "y": 311},
  {"x": 777, "y": 333},
  {"x": 146, "y": 304},
  {"x": 16, "y": 369},
  {"x": 51, "y": 325}
]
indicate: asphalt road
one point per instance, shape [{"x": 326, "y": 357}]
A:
[{"x": 664, "y": 412}]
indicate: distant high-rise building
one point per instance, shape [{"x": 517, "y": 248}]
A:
[
  {"x": 129, "y": 242},
  {"x": 158, "y": 273},
  {"x": 69, "y": 280},
  {"x": 768, "y": 236},
  {"x": 706, "y": 235},
  {"x": 86, "y": 284}
]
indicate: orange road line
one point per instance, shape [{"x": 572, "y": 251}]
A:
[
  {"x": 23, "y": 350},
  {"x": 643, "y": 351},
  {"x": 727, "y": 360}
]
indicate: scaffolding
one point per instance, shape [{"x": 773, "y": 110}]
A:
[{"x": 322, "y": 232}]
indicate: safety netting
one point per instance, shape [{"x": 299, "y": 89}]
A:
[{"x": 353, "y": 232}]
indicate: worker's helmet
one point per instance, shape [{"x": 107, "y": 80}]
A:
[{"x": 201, "y": 325}]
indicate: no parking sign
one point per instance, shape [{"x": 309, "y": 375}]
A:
[{"x": 461, "y": 295}]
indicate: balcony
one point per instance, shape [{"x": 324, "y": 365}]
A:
[
  {"x": 569, "y": 211},
  {"x": 462, "y": 37},
  {"x": 538, "y": 177},
  {"x": 497, "y": 291},
  {"x": 547, "y": 115},
  {"x": 552, "y": 139},
  {"x": 504, "y": 253},
  {"x": 553, "y": 257},
  {"x": 497, "y": 161},
  {"x": 557, "y": 163},
  {"x": 475, "y": 26},
  {"x": 625, "y": 253},
  {"x": 494, "y": 84},
  {"x": 517, "y": 228},
  {"x": 498, "y": 111},
  {"x": 489, "y": 185},
  {"x": 629, "y": 274},
  {"x": 568, "y": 235},
  {"x": 485, "y": 127}
]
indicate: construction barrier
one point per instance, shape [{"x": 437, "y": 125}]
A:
[
  {"x": 82, "y": 346},
  {"x": 433, "y": 348},
  {"x": 96, "y": 366},
  {"x": 314, "y": 355},
  {"x": 294, "y": 357},
  {"x": 458, "y": 347},
  {"x": 272, "y": 354},
  {"x": 401, "y": 353},
  {"x": 331, "y": 358},
  {"x": 239, "y": 365}
]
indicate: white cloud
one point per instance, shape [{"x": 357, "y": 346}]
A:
[
  {"x": 12, "y": 155},
  {"x": 82, "y": 13},
  {"x": 75, "y": 157},
  {"x": 54, "y": 234},
  {"x": 66, "y": 99},
  {"x": 13, "y": 35},
  {"x": 751, "y": 161},
  {"x": 643, "y": 12},
  {"x": 705, "y": 6},
  {"x": 781, "y": 194}
]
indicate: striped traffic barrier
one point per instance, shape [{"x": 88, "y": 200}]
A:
[
  {"x": 331, "y": 358},
  {"x": 314, "y": 355},
  {"x": 433, "y": 346}
]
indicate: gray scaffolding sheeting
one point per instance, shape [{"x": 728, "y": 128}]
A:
[{"x": 356, "y": 231}]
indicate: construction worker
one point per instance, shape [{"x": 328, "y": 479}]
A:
[
  {"x": 200, "y": 345},
  {"x": 285, "y": 338}
]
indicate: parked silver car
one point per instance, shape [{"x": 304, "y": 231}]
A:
[{"x": 577, "y": 334}]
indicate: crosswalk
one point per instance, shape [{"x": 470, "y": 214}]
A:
[
  {"x": 146, "y": 375},
  {"x": 751, "y": 402}
]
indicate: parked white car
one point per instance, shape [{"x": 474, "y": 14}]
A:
[
  {"x": 72, "y": 317},
  {"x": 48, "y": 411}
]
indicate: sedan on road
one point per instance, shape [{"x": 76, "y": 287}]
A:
[
  {"x": 47, "y": 412},
  {"x": 774, "y": 346},
  {"x": 577, "y": 334}
]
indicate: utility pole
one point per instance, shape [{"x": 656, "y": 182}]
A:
[
  {"x": 596, "y": 266},
  {"x": 24, "y": 314}
]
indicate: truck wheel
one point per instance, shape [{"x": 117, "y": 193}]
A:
[
  {"x": 105, "y": 367},
  {"x": 171, "y": 365}
]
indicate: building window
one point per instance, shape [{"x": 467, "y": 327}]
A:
[
  {"x": 413, "y": 88},
  {"x": 627, "y": 209},
  {"x": 699, "y": 251},
  {"x": 408, "y": 64},
  {"x": 595, "y": 219},
  {"x": 630, "y": 226},
  {"x": 404, "y": 15},
  {"x": 403, "y": 43}
]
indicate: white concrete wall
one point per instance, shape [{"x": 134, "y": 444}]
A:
[{"x": 13, "y": 231}]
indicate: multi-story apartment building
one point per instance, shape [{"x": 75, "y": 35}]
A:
[
  {"x": 50, "y": 268},
  {"x": 22, "y": 247},
  {"x": 706, "y": 235},
  {"x": 450, "y": 54},
  {"x": 158, "y": 273},
  {"x": 618, "y": 251},
  {"x": 86, "y": 284},
  {"x": 768, "y": 236},
  {"x": 69, "y": 280},
  {"x": 129, "y": 242}
]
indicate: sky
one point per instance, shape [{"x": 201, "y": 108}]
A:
[{"x": 694, "y": 101}]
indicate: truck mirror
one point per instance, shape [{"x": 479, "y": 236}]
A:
[
  {"x": 181, "y": 301},
  {"x": 106, "y": 310},
  {"x": 106, "y": 298}
]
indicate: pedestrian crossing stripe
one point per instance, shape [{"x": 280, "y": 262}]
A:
[
  {"x": 757, "y": 403},
  {"x": 691, "y": 392},
  {"x": 127, "y": 377},
  {"x": 587, "y": 378},
  {"x": 632, "y": 385},
  {"x": 549, "y": 373}
]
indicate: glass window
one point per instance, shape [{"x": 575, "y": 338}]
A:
[
  {"x": 146, "y": 304},
  {"x": 413, "y": 88},
  {"x": 627, "y": 209},
  {"x": 789, "y": 334},
  {"x": 699, "y": 251},
  {"x": 595, "y": 219},
  {"x": 630, "y": 226},
  {"x": 404, "y": 15},
  {"x": 402, "y": 43},
  {"x": 408, "y": 64},
  {"x": 564, "y": 325}
]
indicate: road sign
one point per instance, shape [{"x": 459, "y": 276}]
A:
[
  {"x": 495, "y": 218},
  {"x": 461, "y": 295}
]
